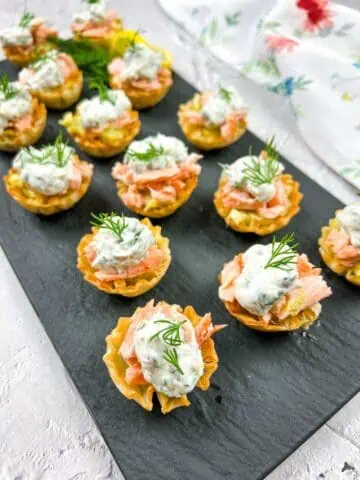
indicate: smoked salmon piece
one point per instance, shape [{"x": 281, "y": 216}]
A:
[{"x": 347, "y": 254}]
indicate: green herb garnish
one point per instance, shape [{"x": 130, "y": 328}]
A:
[
  {"x": 171, "y": 356},
  {"x": 225, "y": 94},
  {"x": 270, "y": 150},
  {"x": 283, "y": 253},
  {"x": 259, "y": 171},
  {"x": 8, "y": 90},
  {"x": 151, "y": 153},
  {"x": 109, "y": 222},
  {"x": 53, "y": 153},
  {"x": 170, "y": 334},
  {"x": 60, "y": 147},
  {"x": 92, "y": 59},
  {"x": 103, "y": 91},
  {"x": 92, "y": 2},
  {"x": 26, "y": 18}
]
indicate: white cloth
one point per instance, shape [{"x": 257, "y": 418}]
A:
[{"x": 305, "y": 50}]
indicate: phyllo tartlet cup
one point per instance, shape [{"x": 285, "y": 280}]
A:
[
  {"x": 36, "y": 202},
  {"x": 132, "y": 286},
  {"x": 350, "y": 272},
  {"x": 143, "y": 394}
]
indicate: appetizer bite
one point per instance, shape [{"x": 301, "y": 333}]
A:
[
  {"x": 255, "y": 196},
  {"x": 96, "y": 22},
  {"x": 213, "y": 119},
  {"x": 165, "y": 349},
  {"x": 54, "y": 79},
  {"x": 272, "y": 288},
  {"x": 22, "y": 117},
  {"x": 123, "y": 255},
  {"x": 49, "y": 179},
  {"x": 340, "y": 243},
  {"x": 27, "y": 40},
  {"x": 104, "y": 125},
  {"x": 157, "y": 175},
  {"x": 143, "y": 73}
]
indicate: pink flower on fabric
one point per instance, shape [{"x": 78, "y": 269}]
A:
[
  {"x": 318, "y": 14},
  {"x": 277, "y": 43}
]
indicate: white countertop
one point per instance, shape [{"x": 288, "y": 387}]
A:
[{"x": 45, "y": 430}]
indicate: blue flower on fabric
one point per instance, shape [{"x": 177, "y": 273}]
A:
[{"x": 287, "y": 87}]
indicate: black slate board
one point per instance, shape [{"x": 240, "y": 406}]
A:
[{"x": 271, "y": 391}]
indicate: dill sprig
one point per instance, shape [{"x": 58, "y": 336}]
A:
[
  {"x": 60, "y": 147},
  {"x": 259, "y": 171},
  {"x": 225, "y": 94},
  {"x": 53, "y": 153},
  {"x": 26, "y": 18},
  {"x": 91, "y": 2},
  {"x": 147, "y": 156},
  {"x": 170, "y": 334},
  {"x": 103, "y": 91},
  {"x": 6, "y": 88},
  {"x": 110, "y": 221},
  {"x": 270, "y": 149},
  {"x": 283, "y": 253},
  {"x": 171, "y": 356},
  {"x": 92, "y": 59}
]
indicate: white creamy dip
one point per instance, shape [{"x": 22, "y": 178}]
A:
[
  {"x": 92, "y": 12},
  {"x": 113, "y": 252},
  {"x": 168, "y": 151},
  {"x": 45, "y": 175},
  {"x": 349, "y": 220},
  {"x": 237, "y": 178},
  {"x": 141, "y": 61},
  {"x": 45, "y": 73},
  {"x": 150, "y": 353},
  {"x": 257, "y": 289},
  {"x": 18, "y": 35},
  {"x": 217, "y": 106},
  {"x": 15, "y": 107},
  {"x": 95, "y": 112}
]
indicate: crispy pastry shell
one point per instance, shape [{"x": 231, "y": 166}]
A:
[
  {"x": 156, "y": 209},
  {"x": 302, "y": 320},
  {"x": 22, "y": 56},
  {"x": 36, "y": 202},
  {"x": 352, "y": 274},
  {"x": 130, "y": 287},
  {"x": 94, "y": 145},
  {"x": 12, "y": 140},
  {"x": 203, "y": 137},
  {"x": 142, "y": 98},
  {"x": 143, "y": 394},
  {"x": 63, "y": 96},
  {"x": 252, "y": 222}
]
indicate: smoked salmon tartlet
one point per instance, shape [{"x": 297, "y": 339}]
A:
[
  {"x": 142, "y": 73},
  {"x": 28, "y": 39},
  {"x": 272, "y": 288},
  {"x": 22, "y": 116},
  {"x": 157, "y": 176},
  {"x": 104, "y": 125},
  {"x": 254, "y": 195},
  {"x": 48, "y": 180},
  {"x": 340, "y": 243},
  {"x": 54, "y": 79},
  {"x": 123, "y": 255},
  {"x": 95, "y": 22},
  {"x": 162, "y": 349},
  {"x": 213, "y": 119}
]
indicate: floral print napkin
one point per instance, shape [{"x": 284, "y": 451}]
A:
[{"x": 305, "y": 50}]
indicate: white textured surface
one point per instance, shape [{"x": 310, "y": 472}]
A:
[{"x": 45, "y": 431}]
